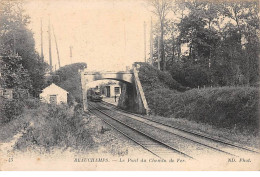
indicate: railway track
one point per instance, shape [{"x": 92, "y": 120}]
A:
[
  {"x": 187, "y": 132},
  {"x": 179, "y": 143},
  {"x": 155, "y": 146}
]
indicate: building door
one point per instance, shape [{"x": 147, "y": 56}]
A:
[
  {"x": 53, "y": 99},
  {"x": 117, "y": 90},
  {"x": 108, "y": 91}
]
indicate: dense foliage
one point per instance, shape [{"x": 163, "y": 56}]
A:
[
  {"x": 56, "y": 126},
  {"x": 222, "y": 107},
  {"x": 13, "y": 74},
  {"x": 69, "y": 79},
  {"x": 208, "y": 43},
  {"x": 13, "y": 109},
  {"x": 17, "y": 39},
  {"x": 226, "y": 107},
  {"x": 153, "y": 79},
  {"x": 10, "y": 109}
]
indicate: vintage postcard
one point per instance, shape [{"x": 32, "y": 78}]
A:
[{"x": 123, "y": 85}]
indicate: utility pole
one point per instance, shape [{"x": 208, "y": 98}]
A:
[
  {"x": 124, "y": 55},
  {"x": 57, "y": 49},
  {"x": 151, "y": 42},
  {"x": 71, "y": 54},
  {"x": 144, "y": 41},
  {"x": 49, "y": 30},
  {"x": 41, "y": 44},
  {"x": 159, "y": 67},
  {"x": 124, "y": 35},
  {"x": 173, "y": 45}
]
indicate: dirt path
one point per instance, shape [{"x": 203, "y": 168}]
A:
[{"x": 6, "y": 149}]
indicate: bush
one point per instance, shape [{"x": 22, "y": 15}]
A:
[
  {"x": 57, "y": 126},
  {"x": 152, "y": 78},
  {"x": 222, "y": 107},
  {"x": 32, "y": 103},
  {"x": 69, "y": 79},
  {"x": 225, "y": 107},
  {"x": 190, "y": 75},
  {"x": 10, "y": 109},
  {"x": 158, "y": 101}
]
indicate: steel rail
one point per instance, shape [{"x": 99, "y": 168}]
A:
[
  {"x": 127, "y": 136},
  {"x": 144, "y": 134},
  {"x": 181, "y": 129},
  {"x": 183, "y": 137}
]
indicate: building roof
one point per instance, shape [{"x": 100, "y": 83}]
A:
[{"x": 53, "y": 88}]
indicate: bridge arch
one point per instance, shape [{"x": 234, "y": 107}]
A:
[
  {"x": 135, "y": 93},
  {"x": 126, "y": 77}
]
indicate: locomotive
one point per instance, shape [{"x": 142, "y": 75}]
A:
[{"x": 94, "y": 95}]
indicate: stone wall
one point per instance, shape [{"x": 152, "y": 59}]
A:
[{"x": 132, "y": 97}]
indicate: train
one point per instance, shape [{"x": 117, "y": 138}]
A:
[{"x": 94, "y": 95}]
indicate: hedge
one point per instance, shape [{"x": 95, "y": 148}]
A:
[{"x": 223, "y": 107}]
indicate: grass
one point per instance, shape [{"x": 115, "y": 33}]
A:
[
  {"x": 233, "y": 135},
  {"x": 226, "y": 107},
  {"x": 234, "y": 108},
  {"x": 45, "y": 126},
  {"x": 16, "y": 115},
  {"x": 8, "y": 130},
  {"x": 56, "y": 127},
  {"x": 46, "y": 129}
]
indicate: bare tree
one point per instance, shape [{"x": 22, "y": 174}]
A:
[{"x": 161, "y": 8}]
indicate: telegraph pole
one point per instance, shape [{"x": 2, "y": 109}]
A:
[
  {"x": 124, "y": 55},
  {"x": 41, "y": 44},
  {"x": 151, "y": 42},
  {"x": 124, "y": 35},
  {"x": 57, "y": 49},
  {"x": 71, "y": 54},
  {"x": 159, "y": 67},
  {"x": 50, "y": 58},
  {"x": 144, "y": 41}
]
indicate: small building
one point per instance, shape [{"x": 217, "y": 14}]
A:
[
  {"x": 14, "y": 93},
  {"x": 110, "y": 90},
  {"x": 54, "y": 94},
  {"x": 6, "y": 93}
]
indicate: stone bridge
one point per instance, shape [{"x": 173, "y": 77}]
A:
[
  {"x": 132, "y": 96},
  {"x": 119, "y": 76}
]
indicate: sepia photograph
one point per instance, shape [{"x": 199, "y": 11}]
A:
[{"x": 129, "y": 85}]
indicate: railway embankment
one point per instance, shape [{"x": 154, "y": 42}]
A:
[
  {"x": 46, "y": 129},
  {"x": 231, "y": 109}
]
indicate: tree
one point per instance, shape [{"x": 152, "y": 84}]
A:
[
  {"x": 16, "y": 38},
  {"x": 69, "y": 79},
  {"x": 244, "y": 21},
  {"x": 222, "y": 38},
  {"x": 161, "y": 8},
  {"x": 13, "y": 75}
]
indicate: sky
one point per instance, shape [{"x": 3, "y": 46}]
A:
[{"x": 108, "y": 35}]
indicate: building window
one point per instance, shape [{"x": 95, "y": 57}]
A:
[
  {"x": 8, "y": 94},
  {"x": 117, "y": 90},
  {"x": 53, "y": 99}
]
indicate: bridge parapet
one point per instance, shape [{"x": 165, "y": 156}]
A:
[
  {"x": 129, "y": 77},
  {"x": 120, "y": 76}
]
